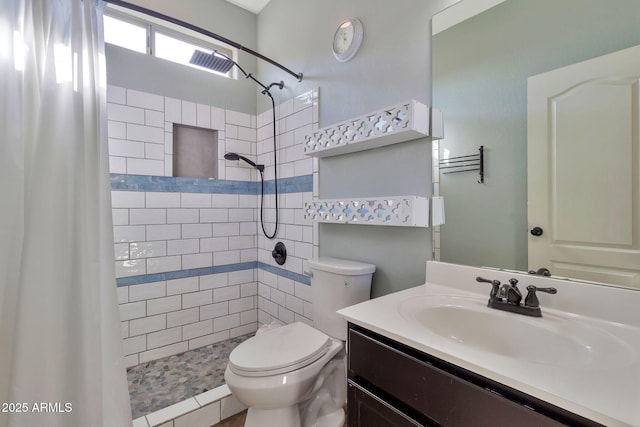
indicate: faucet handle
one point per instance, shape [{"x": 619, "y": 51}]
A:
[
  {"x": 493, "y": 282},
  {"x": 495, "y": 286},
  {"x": 532, "y": 300}
]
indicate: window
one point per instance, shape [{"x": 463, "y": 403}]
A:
[
  {"x": 125, "y": 34},
  {"x": 167, "y": 41}
]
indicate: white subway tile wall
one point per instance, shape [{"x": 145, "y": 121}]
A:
[
  {"x": 160, "y": 319},
  {"x": 283, "y": 299},
  {"x": 160, "y": 234},
  {"x": 435, "y": 178}
]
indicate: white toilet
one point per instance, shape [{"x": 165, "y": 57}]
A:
[{"x": 295, "y": 375}]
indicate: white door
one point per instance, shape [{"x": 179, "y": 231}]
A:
[{"x": 583, "y": 160}]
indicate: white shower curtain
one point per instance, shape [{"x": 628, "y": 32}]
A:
[{"x": 61, "y": 358}]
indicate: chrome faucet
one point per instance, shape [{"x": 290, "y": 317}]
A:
[
  {"x": 508, "y": 297},
  {"x": 541, "y": 272}
]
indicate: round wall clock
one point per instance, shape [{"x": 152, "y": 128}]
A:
[{"x": 347, "y": 39}]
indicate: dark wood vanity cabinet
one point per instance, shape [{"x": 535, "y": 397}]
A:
[{"x": 393, "y": 385}]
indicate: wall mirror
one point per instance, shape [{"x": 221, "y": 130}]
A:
[{"x": 481, "y": 66}]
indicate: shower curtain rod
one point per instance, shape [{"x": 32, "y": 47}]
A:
[{"x": 202, "y": 31}]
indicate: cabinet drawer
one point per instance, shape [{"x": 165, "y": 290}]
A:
[
  {"x": 441, "y": 397},
  {"x": 366, "y": 409}
]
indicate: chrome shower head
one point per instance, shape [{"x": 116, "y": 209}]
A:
[
  {"x": 214, "y": 61},
  {"x": 280, "y": 84},
  {"x": 236, "y": 156}
]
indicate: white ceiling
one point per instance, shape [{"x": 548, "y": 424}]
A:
[
  {"x": 254, "y": 6},
  {"x": 458, "y": 12}
]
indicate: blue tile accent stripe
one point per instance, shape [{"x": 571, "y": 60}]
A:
[
  {"x": 298, "y": 184},
  {"x": 180, "y": 185},
  {"x": 168, "y": 184},
  {"x": 180, "y": 274},
  {"x": 149, "y": 183},
  {"x": 285, "y": 273}
]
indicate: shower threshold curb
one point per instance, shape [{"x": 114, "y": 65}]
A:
[{"x": 203, "y": 410}]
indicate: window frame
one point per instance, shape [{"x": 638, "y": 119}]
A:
[{"x": 152, "y": 27}]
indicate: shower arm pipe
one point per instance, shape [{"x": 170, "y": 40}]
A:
[
  {"x": 245, "y": 74},
  {"x": 202, "y": 31},
  {"x": 265, "y": 89}
]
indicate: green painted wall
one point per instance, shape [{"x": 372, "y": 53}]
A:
[{"x": 393, "y": 65}]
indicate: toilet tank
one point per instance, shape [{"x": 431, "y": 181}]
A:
[{"x": 335, "y": 284}]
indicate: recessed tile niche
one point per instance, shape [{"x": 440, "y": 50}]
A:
[{"x": 195, "y": 152}]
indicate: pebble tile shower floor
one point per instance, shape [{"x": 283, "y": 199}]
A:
[{"x": 160, "y": 383}]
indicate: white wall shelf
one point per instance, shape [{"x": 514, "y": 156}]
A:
[
  {"x": 398, "y": 123},
  {"x": 404, "y": 211}
]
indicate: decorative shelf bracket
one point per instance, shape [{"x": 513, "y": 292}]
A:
[
  {"x": 405, "y": 211},
  {"x": 397, "y": 123},
  {"x": 472, "y": 162}
]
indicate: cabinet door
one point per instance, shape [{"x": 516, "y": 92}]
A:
[
  {"x": 366, "y": 410},
  {"x": 442, "y": 396}
]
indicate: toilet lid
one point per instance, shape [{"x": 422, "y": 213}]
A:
[{"x": 279, "y": 350}]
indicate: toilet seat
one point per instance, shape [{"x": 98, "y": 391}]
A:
[{"x": 279, "y": 351}]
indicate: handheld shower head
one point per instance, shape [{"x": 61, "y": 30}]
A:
[
  {"x": 236, "y": 156},
  {"x": 232, "y": 156}
]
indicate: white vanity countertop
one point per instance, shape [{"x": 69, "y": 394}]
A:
[{"x": 608, "y": 393}]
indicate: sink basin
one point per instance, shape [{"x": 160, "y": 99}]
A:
[{"x": 554, "y": 339}]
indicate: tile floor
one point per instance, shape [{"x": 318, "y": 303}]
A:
[
  {"x": 238, "y": 421},
  {"x": 163, "y": 382},
  {"x": 235, "y": 421}
]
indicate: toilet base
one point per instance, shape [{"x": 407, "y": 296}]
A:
[
  {"x": 281, "y": 417},
  {"x": 334, "y": 419},
  {"x": 290, "y": 417}
]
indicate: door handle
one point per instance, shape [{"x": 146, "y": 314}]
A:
[{"x": 536, "y": 231}]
